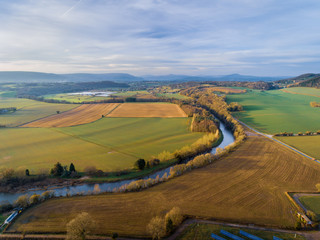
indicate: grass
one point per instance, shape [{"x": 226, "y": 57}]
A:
[
  {"x": 109, "y": 144},
  {"x": 203, "y": 232},
  {"x": 311, "y": 203},
  {"x": 306, "y": 144},
  {"x": 83, "y": 114},
  {"x": 29, "y": 110},
  {"x": 277, "y": 111},
  {"x": 247, "y": 186},
  {"x": 130, "y": 93},
  {"x": 148, "y": 110}
]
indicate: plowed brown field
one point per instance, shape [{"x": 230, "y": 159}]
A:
[
  {"x": 162, "y": 110},
  {"x": 83, "y": 114},
  {"x": 247, "y": 186}
]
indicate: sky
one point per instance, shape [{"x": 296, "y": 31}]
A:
[{"x": 159, "y": 37}]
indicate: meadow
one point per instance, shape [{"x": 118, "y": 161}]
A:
[
  {"x": 203, "y": 232},
  {"x": 307, "y": 144},
  {"x": 276, "y": 111},
  {"x": 246, "y": 186},
  {"x": 74, "y": 98},
  {"x": 29, "y": 110},
  {"x": 109, "y": 143}
]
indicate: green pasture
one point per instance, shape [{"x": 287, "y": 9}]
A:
[
  {"x": 138, "y": 137},
  {"x": 108, "y": 144},
  {"x": 203, "y": 231},
  {"x": 276, "y": 111},
  {"x": 28, "y": 110},
  {"x": 307, "y": 144},
  {"x": 311, "y": 203}
]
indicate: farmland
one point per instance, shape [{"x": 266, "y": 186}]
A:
[
  {"x": 74, "y": 98},
  {"x": 109, "y": 144},
  {"x": 277, "y": 111},
  {"x": 203, "y": 232},
  {"x": 247, "y": 186},
  {"x": 307, "y": 144},
  {"x": 80, "y": 115},
  {"x": 161, "y": 110},
  {"x": 312, "y": 203},
  {"x": 29, "y": 110},
  {"x": 227, "y": 90}
]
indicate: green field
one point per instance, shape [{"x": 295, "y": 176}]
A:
[
  {"x": 108, "y": 144},
  {"x": 28, "y": 110},
  {"x": 130, "y": 93},
  {"x": 311, "y": 203},
  {"x": 203, "y": 231},
  {"x": 307, "y": 144},
  {"x": 276, "y": 111}
]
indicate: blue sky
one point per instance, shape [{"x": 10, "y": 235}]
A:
[{"x": 200, "y": 37}]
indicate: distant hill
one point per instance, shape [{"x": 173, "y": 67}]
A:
[
  {"x": 33, "y": 77},
  {"x": 232, "y": 77},
  {"x": 313, "y": 82},
  {"x": 17, "y": 77}
]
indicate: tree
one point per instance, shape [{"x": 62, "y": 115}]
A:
[
  {"x": 72, "y": 168},
  {"x": 57, "y": 170},
  {"x": 27, "y": 172},
  {"x": 114, "y": 236},
  {"x": 175, "y": 215},
  {"x": 156, "y": 227},
  {"x": 58, "y": 112},
  {"x": 140, "y": 164},
  {"x": 79, "y": 227}
]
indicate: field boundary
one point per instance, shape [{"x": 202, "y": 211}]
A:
[
  {"x": 311, "y": 95},
  {"x": 21, "y": 125}
]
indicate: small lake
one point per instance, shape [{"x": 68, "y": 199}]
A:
[
  {"x": 93, "y": 94},
  {"x": 107, "y": 187}
]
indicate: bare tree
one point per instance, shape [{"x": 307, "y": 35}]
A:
[{"x": 79, "y": 227}]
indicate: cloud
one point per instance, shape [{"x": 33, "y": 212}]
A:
[{"x": 161, "y": 37}]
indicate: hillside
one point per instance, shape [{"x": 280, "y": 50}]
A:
[
  {"x": 299, "y": 79},
  {"x": 313, "y": 82}
]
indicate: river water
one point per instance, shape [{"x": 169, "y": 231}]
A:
[{"x": 106, "y": 187}]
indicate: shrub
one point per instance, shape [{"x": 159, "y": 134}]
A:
[
  {"x": 47, "y": 195},
  {"x": 72, "y": 168},
  {"x": 90, "y": 170}
]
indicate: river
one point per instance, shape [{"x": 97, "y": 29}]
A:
[{"x": 106, "y": 187}]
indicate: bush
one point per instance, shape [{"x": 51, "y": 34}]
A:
[
  {"x": 140, "y": 164},
  {"x": 175, "y": 215},
  {"x": 90, "y": 170},
  {"x": 47, "y": 195}
]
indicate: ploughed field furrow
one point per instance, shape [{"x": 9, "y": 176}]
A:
[{"x": 83, "y": 114}]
